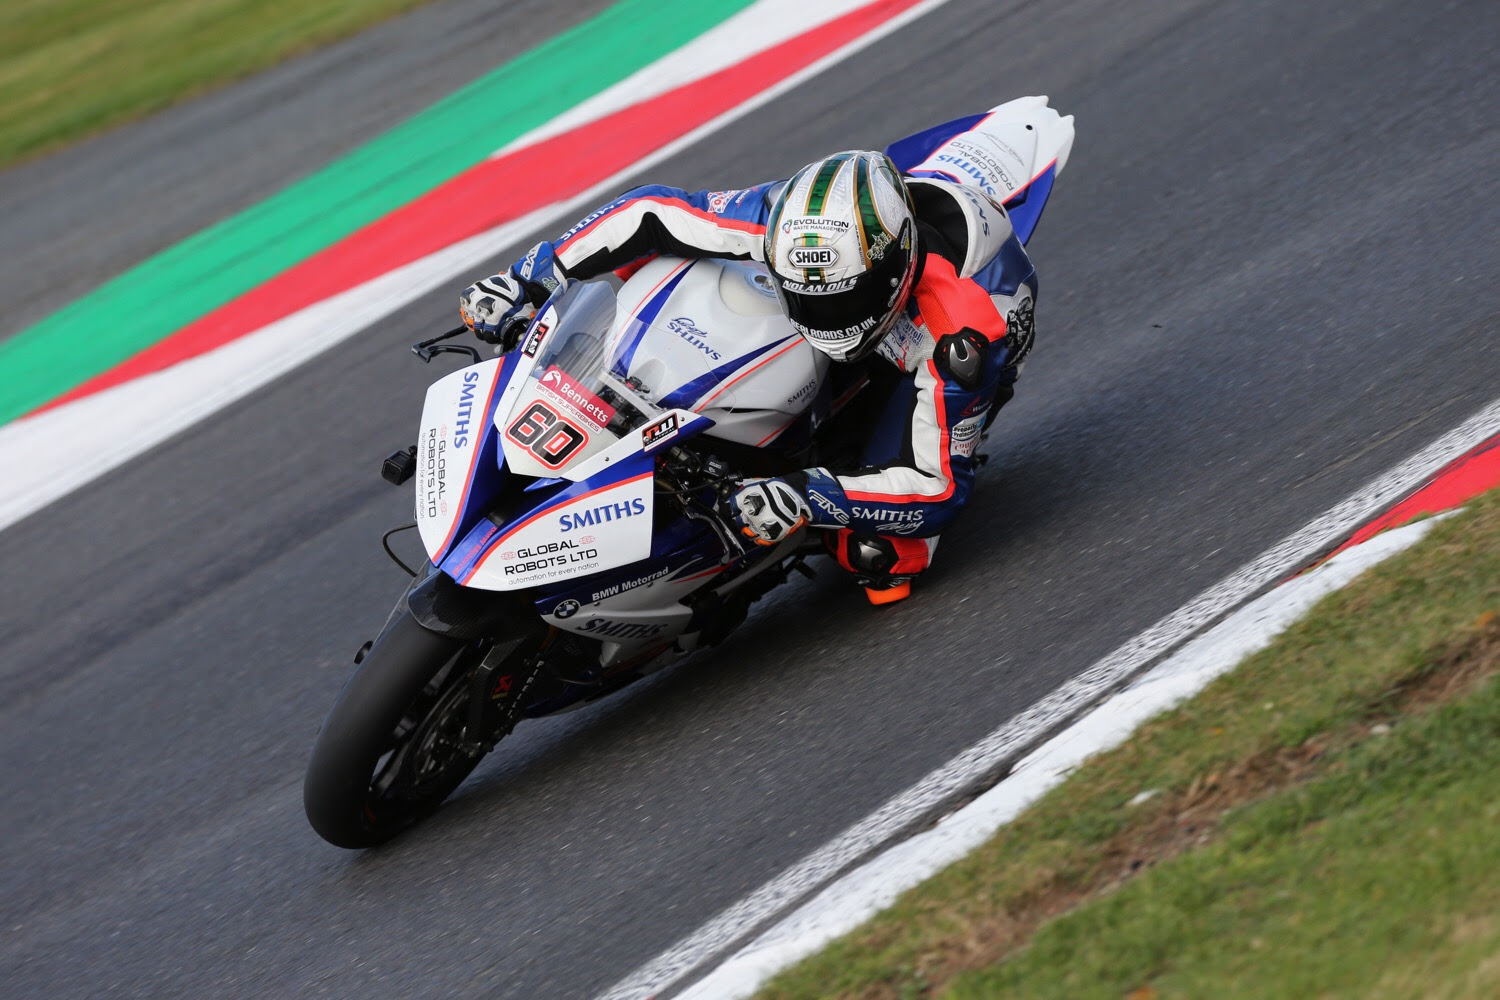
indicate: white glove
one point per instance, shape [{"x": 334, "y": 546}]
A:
[
  {"x": 767, "y": 510},
  {"x": 492, "y": 304}
]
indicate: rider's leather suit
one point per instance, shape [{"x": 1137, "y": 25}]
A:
[{"x": 944, "y": 371}]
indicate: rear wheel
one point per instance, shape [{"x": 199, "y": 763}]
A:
[{"x": 393, "y": 746}]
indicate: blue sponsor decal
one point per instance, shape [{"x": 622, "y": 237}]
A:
[
  {"x": 623, "y": 630},
  {"x": 690, "y": 332},
  {"x": 465, "y": 410},
  {"x": 968, "y": 168},
  {"x": 602, "y": 514}
]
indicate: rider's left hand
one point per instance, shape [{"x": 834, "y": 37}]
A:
[
  {"x": 767, "y": 510},
  {"x": 491, "y": 305},
  {"x": 497, "y": 307}
]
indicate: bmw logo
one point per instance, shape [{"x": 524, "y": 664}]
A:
[{"x": 567, "y": 609}]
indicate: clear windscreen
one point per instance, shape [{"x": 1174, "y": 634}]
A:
[{"x": 580, "y": 397}]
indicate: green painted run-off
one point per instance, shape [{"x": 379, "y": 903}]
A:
[{"x": 187, "y": 281}]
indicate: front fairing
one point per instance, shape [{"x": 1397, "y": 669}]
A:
[
  {"x": 537, "y": 467},
  {"x": 459, "y": 468},
  {"x": 573, "y": 529},
  {"x": 571, "y": 400}
]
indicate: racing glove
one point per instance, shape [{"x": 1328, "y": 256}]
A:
[
  {"x": 767, "y": 510},
  {"x": 492, "y": 306}
]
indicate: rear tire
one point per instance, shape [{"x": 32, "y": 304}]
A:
[{"x": 387, "y": 754}]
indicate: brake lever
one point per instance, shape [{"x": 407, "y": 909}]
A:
[
  {"x": 426, "y": 351},
  {"x": 733, "y": 548}
]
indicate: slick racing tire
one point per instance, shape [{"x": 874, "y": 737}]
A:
[{"x": 389, "y": 751}]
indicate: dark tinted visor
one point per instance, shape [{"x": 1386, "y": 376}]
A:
[{"x": 853, "y": 307}]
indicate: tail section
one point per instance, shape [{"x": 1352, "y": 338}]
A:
[{"x": 1013, "y": 153}]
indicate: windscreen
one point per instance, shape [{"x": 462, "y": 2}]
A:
[{"x": 580, "y": 397}]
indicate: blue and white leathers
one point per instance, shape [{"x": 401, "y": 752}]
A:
[{"x": 978, "y": 185}]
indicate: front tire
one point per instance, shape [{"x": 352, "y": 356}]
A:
[{"x": 389, "y": 751}]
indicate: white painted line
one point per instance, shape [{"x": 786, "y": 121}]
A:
[
  {"x": 757, "y": 28},
  {"x": 50, "y": 455},
  {"x": 976, "y": 768},
  {"x": 56, "y": 451},
  {"x": 861, "y": 894}
]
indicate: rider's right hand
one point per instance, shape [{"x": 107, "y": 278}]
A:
[
  {"x": 492, "y": 304},
  {"x": 767, "y": 510}
]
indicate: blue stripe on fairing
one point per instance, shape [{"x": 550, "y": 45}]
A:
[
  {"x": 465, "y": 555},
  {"x": 907, "y": 153},
  {"x": 684, "y": 396},
  {"x": 647, "y": 313},
  {"x": 1025, "y": 206}
]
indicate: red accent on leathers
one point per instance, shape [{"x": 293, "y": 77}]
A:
[{"x": 913, "y": 555}]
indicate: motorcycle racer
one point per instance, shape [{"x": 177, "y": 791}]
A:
[{"x": 917, "y": 278}]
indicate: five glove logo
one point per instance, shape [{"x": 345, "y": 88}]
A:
[{"x": 829, "y": 507}]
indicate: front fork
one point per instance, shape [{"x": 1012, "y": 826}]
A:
[{"x": 504, "y": 678}]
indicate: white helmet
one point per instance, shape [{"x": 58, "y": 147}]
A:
[{"x": 841, "y": 244}]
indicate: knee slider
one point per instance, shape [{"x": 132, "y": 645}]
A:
[
  {"x": 870, "y": 555},
  {"x": 881, "y": 557}
]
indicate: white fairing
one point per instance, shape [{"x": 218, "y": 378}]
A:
[
  {"x": 597, "y": 379},
  {"x": 597, "y": 531},
  {"x": 689, "y": 338},
  {"x": 1005, "y": 152},
  {"x": 645, "y": 611},
  {"x": 448, "y": 448},
  {"x": 721, "y": 312}
]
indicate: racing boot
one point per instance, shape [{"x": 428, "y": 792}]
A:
[{"x": 882, "y": 564}]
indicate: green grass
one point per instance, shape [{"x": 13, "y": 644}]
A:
[
  {"x": 1324, "y": 826},
  {"x": 71, "y": 68}
]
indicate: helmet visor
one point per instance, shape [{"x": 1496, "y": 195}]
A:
[{"x": 848, "y": 317}]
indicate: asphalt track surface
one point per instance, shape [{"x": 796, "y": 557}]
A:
[
  {"x": 1268, "y": 274},
  {"x": 80, "y": 217}
]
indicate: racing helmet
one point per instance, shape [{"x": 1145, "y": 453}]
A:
[{"x": 841, "y": 246}]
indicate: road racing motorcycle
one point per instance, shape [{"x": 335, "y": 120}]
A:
[{"x": 568, "y": 498}]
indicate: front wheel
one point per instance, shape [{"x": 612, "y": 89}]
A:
[{"x": 392, "y": 747}]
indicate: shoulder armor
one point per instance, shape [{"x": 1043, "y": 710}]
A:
[{"x": 973, "y": 224}]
